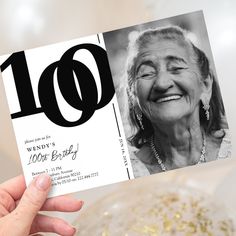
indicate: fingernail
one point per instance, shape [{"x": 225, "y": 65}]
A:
[
  {"x": 43, "y": 182},
  {"x": 75, "y": 231}
]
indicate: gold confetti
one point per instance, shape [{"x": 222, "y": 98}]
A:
[
  {"x": 167, "y": 224},
  {"x": 192, "y": 227},
  {"x": 170, "y": 214},
  {"x": 178, "y": 215},
  {"x": 105, "y": 233}
]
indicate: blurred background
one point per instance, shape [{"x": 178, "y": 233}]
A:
[{"x": 27, "y": 24}]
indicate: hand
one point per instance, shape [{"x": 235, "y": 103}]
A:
[{"x": 19, "y": 208}]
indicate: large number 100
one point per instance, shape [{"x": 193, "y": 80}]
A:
[{"x": 66, "y": 68}]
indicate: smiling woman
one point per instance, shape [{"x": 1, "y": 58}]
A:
[
  {"x": 168, "y": 86},
  {"x": 175, "y": 104},
  {"x": 168, "y": 94}
]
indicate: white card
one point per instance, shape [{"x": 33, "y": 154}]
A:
[{"x": 85, "y": 147}]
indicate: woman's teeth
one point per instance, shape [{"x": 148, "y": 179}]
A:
[{"x": 174, "y": 97}]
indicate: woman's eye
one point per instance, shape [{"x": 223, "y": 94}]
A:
[
  {"x": 176, "y": 70},
  {"x": 146, "y": 75},
  {"x": 146, "y": 72}
]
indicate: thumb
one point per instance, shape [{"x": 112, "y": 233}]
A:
[{"x": 31, "y": 202}]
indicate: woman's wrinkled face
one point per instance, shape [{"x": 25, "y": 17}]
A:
[{"x": 168, "y": 84}]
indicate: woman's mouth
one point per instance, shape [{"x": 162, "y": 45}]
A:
[{"x": 168, "y": 98}]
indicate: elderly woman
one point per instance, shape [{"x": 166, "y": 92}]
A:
[{"x": 175, "y": 104}]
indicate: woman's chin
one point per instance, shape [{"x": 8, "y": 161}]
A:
[{"x": 167, "y": 119}]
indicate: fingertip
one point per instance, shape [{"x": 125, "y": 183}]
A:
[
  {"x": 73, "y": 205},
  {"x": 82, "y": 203},
  {"x": 75, "y": 231},
  {"x": 42, "y": 182},
  {"x": 68, "y": 230},
  {"x": 79, "y": 205}
]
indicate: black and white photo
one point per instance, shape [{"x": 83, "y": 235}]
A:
[{"x": 168, "y": 93}]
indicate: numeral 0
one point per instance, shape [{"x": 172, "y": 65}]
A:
[{"x": 66, "y": 68}]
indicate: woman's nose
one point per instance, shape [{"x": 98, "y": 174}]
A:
[{"x": 163, "y": 81}]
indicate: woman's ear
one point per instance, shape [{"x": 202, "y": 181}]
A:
[{"x": 207, "y": 89}]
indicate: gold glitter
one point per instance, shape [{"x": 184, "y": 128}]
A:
[
  {"x": 188, "y": 234},
  {"x": 167, "y": 224},
  {"x": 154, "y": 212},
  {"x": 169, "y": 215},
  {"x": 184, "y": 206},
  {"x": 192, "y": 227},
  {"x": 203, "y": 227},
  {"x": 150, "y": 230},
  {"x": 181, "y": 226},
  {"x": 105, "y": 233},
  {"x": 178, "y": 215},
  {"x": 209, "y": 234},
  {"x": 224, "y": 227},
  {"x": 199, "y": 215},
  {"x": 167, "y": 200},
  {"x": 194, "y": 203}
]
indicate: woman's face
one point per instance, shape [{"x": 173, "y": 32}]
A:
[{"x": 168, "y": 85}]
